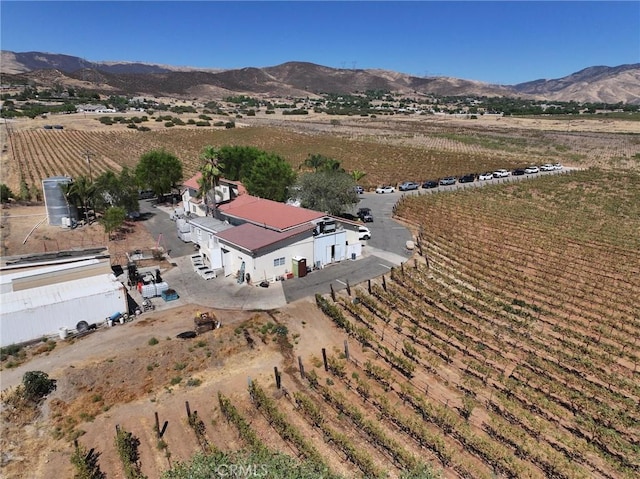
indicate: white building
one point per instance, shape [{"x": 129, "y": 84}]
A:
[
  {"x": 267, "y": 239},
  {"x": 40, "y": 299}
]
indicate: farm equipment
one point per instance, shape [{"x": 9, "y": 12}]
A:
[{"x": 205, "y": 322}]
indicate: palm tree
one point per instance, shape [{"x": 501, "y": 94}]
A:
[
  {"x": 314, "y": 162},
  {"x": 79, "y": 193},
  {"x": 83, "y": 189},
  {"x": 211, "y": 172},
  {"x": 358, "y": 175}
]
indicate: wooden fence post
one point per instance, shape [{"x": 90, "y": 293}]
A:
[
  {"x": 278, "y": 378},
  {"x": 324, "y": 359}
]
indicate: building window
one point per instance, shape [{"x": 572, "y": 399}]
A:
[{"x": 278, "y": 262}]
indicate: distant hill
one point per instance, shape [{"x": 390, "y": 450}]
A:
[{"x": 594, "y": 84}]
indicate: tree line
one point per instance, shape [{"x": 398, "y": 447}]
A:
[{"x": 320, "y": 183}]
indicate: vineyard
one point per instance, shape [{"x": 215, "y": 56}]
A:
[
  {"x": 508, "y": 347},
  {"x": 389, "y": 152}
]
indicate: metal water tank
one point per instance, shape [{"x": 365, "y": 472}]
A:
[{"x": 55, "y": 201}]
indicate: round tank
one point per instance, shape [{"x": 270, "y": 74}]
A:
[{"x": 55, "y": 201}]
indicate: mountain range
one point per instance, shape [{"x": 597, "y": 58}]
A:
[{"x": 594, "y": 84}]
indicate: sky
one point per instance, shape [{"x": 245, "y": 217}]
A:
[{"x": 503, "y": 42}]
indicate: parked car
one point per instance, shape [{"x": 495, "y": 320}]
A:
[
  {"x": 470, "y": 178},
  {"x": 547, "y": 167},
  {"x": 502, "y": 173},
  {"x": 365, "y": 215},
  {"x": 385, "y": 189},
  {"x": 449, "y": 180},
  {"x": 430, "y": 184},
  {"x": 518, "y": 172},
  {"x": 364, "y": 233},
  {"x": 485, "y": 176},
  {"x": 531, "y": 169},
  {"x": 408, "y": 185},
  {"x": 359, "y": 189},
  {"x": 557, "y": 166}
]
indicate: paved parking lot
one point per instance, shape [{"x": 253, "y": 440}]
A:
[{"x": 385, "y": 249}]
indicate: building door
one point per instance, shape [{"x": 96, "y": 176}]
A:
[
  {"x": 227, "y": 262},
  {"x": 331, "y": 253}
]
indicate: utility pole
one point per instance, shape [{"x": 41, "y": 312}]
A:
[{"x": 88, "y": 154}]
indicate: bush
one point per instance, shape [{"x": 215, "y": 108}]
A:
[
  {"x": 37, "y": 385},
  {"x": 5, "y": 193}
]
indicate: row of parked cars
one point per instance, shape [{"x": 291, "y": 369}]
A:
[{"x": 469, "y": 178}]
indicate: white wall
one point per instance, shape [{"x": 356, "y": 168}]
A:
[
  {"x": 29, "y": 323},
  {"x": 325, "y": 243},
  {"x": 264, "y": 267}
]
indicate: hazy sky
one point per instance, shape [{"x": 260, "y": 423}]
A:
[{"x": 498, "y": 42}]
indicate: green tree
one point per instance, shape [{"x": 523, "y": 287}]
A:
[
  {"x": 5, "y": 193},
  {"x": 25, "y": 191},
  {"x": 116, "y": 190},
  {"x": 238, "y": 160},
  {"x": 36, "y": 385},
  {"x": 112, "y": 219},
  {"x": 211, "y": 172},
  {"x": 330, "y": 191},
  {"x": 270, "y": 177},
  {"x": 159, "y": 171}
]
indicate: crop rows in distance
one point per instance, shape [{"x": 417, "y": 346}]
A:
[{"x": 385, "y": 157}]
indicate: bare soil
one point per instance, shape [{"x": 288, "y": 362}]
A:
[{"x": 117, "y": 376}]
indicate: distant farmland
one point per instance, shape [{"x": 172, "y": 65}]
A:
[{"x": 389, "y": 152}]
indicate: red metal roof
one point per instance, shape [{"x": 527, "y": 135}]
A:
[
  {"x": 253, "y": 238},
  {"x": 193, "y": 182},
  {"x": 268, "y": 213}
]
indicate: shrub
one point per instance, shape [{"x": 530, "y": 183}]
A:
[
  {"x": 153, "y": 341},
  {"x": 86, "y": 464},
  {"x": 37, "y": 385}
]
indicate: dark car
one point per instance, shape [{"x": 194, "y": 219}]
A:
[
  {"x": 408, "y": 185},
  {"x": 450, "y": 180},
  {"x": 365, "y": 215},
  {"x": 430, "y": 184},
  {"x": 518, "y": 172},
  {"x": 470, "y": 178}
]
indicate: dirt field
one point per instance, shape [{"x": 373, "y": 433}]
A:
[
  {"x": 117, "y": 376},
  {"x": 24, "y": 230}
]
